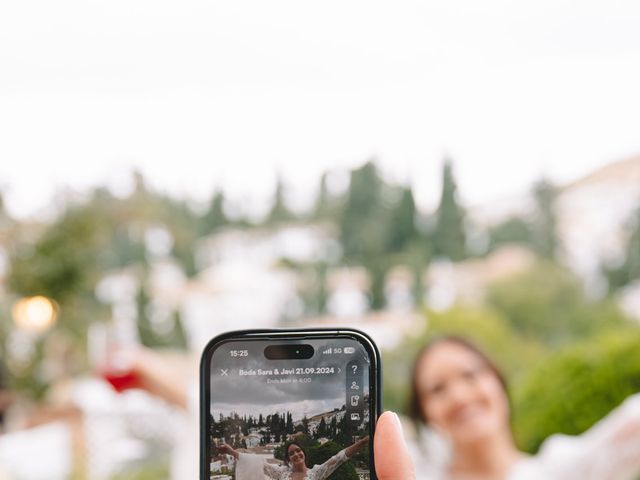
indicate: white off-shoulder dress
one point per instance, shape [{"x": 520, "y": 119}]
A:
[
  {"x": 610, "y": 450},
  {"x": 252, "y": 467}
]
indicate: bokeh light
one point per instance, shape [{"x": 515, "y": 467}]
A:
[{"x": 35, "y": 314}]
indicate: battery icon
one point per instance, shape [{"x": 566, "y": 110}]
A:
[{"x": 349, "y": 350}]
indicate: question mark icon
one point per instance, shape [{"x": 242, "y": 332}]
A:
[{"x": 354, "y": 368}]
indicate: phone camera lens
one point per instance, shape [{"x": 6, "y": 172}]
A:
[{"x": 282, "y": 352}]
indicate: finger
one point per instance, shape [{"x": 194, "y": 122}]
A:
[{"x": 391, "y": 454}]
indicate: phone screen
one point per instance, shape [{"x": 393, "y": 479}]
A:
[{"x": 282, "y": 406}]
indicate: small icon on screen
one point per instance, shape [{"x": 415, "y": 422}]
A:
[
  {"x": 328, "y": 351},
  {"x": 355, "y": 416},
  {"x": 337, "y": 350},
  {"x": 354, "y": 400},
  {"x": 349, "y": 350},
  {"x": 355, "y": 386}
]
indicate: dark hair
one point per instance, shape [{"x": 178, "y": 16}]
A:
[
  {"x": 286, "y": 451},
  {"x": 415, "y": 405}
]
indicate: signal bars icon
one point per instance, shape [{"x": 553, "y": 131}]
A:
[{"x": 328, "y": 351}]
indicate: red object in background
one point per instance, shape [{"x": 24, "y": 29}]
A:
[{"x": 121, "y": 380}]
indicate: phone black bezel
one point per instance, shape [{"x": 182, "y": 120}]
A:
[{"x": 375, "y": 374}]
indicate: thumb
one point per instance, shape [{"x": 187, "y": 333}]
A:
[{"x": 390, "y": 450}]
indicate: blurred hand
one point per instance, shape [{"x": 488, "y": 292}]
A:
[
  {"x": 392, "y": 456},
  {"x": 225, "y": 449},
  {"x": 357, "y": 446},
  {"x": 158, "y": 378},
  {"x": 6, "y": 399}
]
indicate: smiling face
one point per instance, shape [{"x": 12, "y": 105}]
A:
[
  {"x": 296, "y": 455},
  {"x": 460, "y": 394}
]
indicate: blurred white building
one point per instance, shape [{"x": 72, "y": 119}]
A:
[
  {"x": 592, "y": 214},
  {"x": 243, "y": 283},
  {"x": 348, "y": 288},
  {"x": 629, "y": 300}
]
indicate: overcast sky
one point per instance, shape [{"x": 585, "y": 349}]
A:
[{"x": 205, "y": 93}]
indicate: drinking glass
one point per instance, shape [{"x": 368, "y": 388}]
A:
[{"x": 112, "y": 349}]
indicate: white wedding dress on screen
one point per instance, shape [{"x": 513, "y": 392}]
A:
[
  {"x": 252, "y": 467},
  {"x": 610, "y": 450}
]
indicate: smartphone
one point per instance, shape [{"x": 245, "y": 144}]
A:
[{"x": 275, "y": 402}]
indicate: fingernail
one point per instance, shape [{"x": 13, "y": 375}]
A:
[{"x": 397, "y": 421}]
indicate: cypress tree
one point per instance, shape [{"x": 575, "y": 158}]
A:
[
  {"x": 545, "y": 239},
  {"x": 403, "y": 227},
  {"x": 214, "y": 218},
  {"x": 279, "y": 211},
  {"x": 363, "y": 225},
  {"x": 322, "y": 428},
  {"x": 449, "y": 236},
  {"x": 323, "y": 205}
]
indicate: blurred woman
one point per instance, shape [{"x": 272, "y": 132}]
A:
[
  {"x": 460, "y": 394},
  {"x": 295, "y": 467}
]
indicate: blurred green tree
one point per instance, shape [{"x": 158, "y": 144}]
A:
[
  {"x": 548, "y": 302},
  {"x": 182, "y": 223},
  {"x": 145, "y": 208},
  {"x": 364, "y": 222},
  {"x": 486, "y": 327},
  {"x": 6, "y": 222},
  {"x": 328, "y": 206},
  {"x": 576, "y": 387},
  {"x": 545, "y": 239},
  {"x": 316, "y": 294},
  {"x": 322, "y": 429},
  {"x": 65, "y": 259},
  {"x": 512, "y": 230},
  {"x": 148, "y": 471},
  {"x": 364, "y": 227},
  {"x": 127, "y": 248},
  {"x": 214, "y": 218},
  {"x": 449, "y": 238},
  {"x": 323, "y": 199},
  {"x": 402, "y": 225},
  {"x": 279, "y": 211},
  {"x": 418, "y": 264},
  {"x": 377, "y": 268},
  {"x": 64, "y": 262},
  {"x": 319, "y": 454},
  {"x": 628, "y": 270},
  {"x": 143, "y": 322}
]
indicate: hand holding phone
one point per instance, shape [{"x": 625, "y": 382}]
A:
[
  {"x": 393, "y": 461},
  {"x": 289, "y": 404}
]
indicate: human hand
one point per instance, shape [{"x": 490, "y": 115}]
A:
[
  {"x": 392, "y": 456},
  {"x": 356, "y": 447},
  {"x": 362, "y": 441},
  {"x": 156, "y": 375},
  {"x": 225, "y": 449}
]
